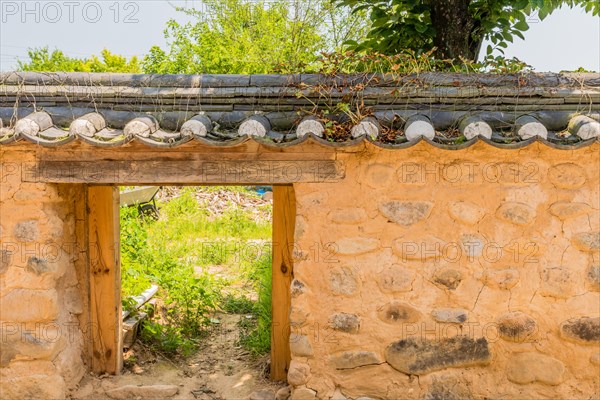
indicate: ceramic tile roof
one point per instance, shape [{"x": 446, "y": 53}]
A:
[{"x": 451, "y": 111}]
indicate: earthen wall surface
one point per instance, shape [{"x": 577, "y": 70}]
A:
[
  {"x": 435, "y": 274},
  {"x": 42, "y": 289},
  {"x": 421, "y": 274}
]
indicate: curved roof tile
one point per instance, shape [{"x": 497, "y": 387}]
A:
[{"x": 164, "y": 111}]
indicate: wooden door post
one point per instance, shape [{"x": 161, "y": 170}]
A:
[
  {"x": 284, "y": 221},
  {"x": 105, "y": 279}
]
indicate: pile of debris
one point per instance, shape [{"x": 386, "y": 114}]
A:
[{"x": 217, "y": 201}]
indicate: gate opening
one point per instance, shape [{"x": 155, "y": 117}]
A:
[{"x": 201, "y": 282}]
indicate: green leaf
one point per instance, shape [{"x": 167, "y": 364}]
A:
[
  {"x": 521, "y": 26},
  {"x": 519, "y": 34},
  {"x": 421, "y": 28},
  {"x": 537, "y": 3},
  {"x": 503, "y": 22},
  {"x": 520, "y": 4}
]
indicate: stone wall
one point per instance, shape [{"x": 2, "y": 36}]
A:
[
  {"x": 431, "y": 274},
  {"x": 41, "y": 298},
  {"x": 423, "y": 274}
]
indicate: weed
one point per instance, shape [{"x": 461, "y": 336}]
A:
[
  {"x": 256, "y": 332},
  {"x": 166, "y": 339},
  {"x": 237, "y": 304},
  {"x": 409, "y": 62}
]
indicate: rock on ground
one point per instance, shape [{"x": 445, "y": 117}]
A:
[
  {"x": 146, "y": 392},
  {"x": 263, "y": 394}
]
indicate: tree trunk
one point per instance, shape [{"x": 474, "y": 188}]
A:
[{"x": 454, "y": 25}]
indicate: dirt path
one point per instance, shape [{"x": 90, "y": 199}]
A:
[{"x": 219, "y": 370}]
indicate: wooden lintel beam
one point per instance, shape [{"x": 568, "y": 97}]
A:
[{"x": 164, "y": 172}]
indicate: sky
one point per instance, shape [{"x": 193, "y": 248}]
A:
[{"x": 566, "y": 40}]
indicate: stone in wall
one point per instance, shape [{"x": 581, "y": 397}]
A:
[
  {"x": 70, "y": 278},
  {"x": 5, "y": 260},
  {"x": 24, "y": 305},
  {"x": 524, "y": 368},
  {"x": 450, "y": 315},
  {"x": 303, "y": 393},
  {"x": 284, "y": 393},
  {"x": 72, "y": 300},
  {"x": 517, "y": 327},
  {"x": 406, "y": 213},
  {"x": 473, "y": 244},
  {"x": 466, "y": 212},
  {"x": 356, "y": 245},
  {"x": 587, "y": 241},
  {"x": 338, "y": 395},
  {"x": 565, "y": 210},
  {"x": 300, "y": 345},
  {"x": 31, "y": 380},
  {"x": 37, "y": 273},
  {"x": 343, "y": 281},
  {"x": 300, "y": 227},
  {"x": 557, "y": 282},
  {"x": 504, "y": 279},
  {"x": 38, "y": 266},
  {"x": 55, "y": 225},
  {"x": 447, "y": 388},
  {"x": 567, "y": 176},
  {"x": 582, "y": 330},
  {"x": 344, "y": 322},
  {"x": 298, "y": 316},
  {"x": 354, "y": 359},
  {"x": 516, "y": 213},
  {"x": 21, "y": 344},
  {"x": 298, "y": 373},
  {"x": 420, "y": 356},
  {"x": 398, "y": 313},
  {"x": 26, "y": 231},
  {"x": 28, "y": 193},
  {"x": 448, "y": 278},
  {"x": 349, "y": 216},
  {"x": 69, "y": 363},
  {"x": 593, "y": 277},
  {"x": 396, "y": 279},
  {"x": 299, "y": 255},
  {"x": 297, "y": 288}
]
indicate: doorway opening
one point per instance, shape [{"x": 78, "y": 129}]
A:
[{"x": 200, "y": 304}]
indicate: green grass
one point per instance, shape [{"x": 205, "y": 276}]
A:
[
  {"x": 180, "y": 252},
  {"x": 256, "y": 333}
]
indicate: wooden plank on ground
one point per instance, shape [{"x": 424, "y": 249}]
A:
[
  {"x": 284, "y": 220},
  {"x": 105, "y": 279}
]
